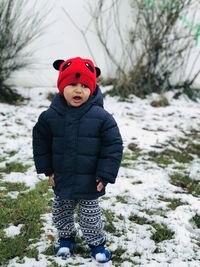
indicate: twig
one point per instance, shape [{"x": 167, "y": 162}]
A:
[{"x": 82, "y": 33}]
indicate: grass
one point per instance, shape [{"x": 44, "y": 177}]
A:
[
  {"x": 160, "y": 158},
  {"x": 191, "y": 145},
  {"x": 184, "y": 181},
  {"x": 129, "y": 158},
  {"x": 181, "y": 151},
  {"x": 187, "y": 146},
  {"x": 2, "y": 159},
  {"x": 162, "y": 233},
  {"x": 181, "y": 157},
  {"x": 121, "y": 199},
  {"x": 12, "y": 153},
  {"x": 138, "y": 219},
  {"x": 193, "y": 134},
  {"x": 49, "y": 251},
  {"x": 117, "y": 254},
  {"x": 109, "y": 219},
  {"x": 54, "y": 264},
  {"x": 173, "y": 202},
  {"x": 14, "y": 167},
  {"x": 193, "y": 148},
  {"x": 180, "y": 167},
  {"x": 169, "y": 156},
  {"x": 26, "y": 210},
  {"x": 196, "y": 220},
  {"x": 154, "y": 212},
  {"x": 14, "y": 186},
  {"x": 81, "y": 248}
]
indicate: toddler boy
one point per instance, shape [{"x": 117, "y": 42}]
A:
[{"x": 77, "y": 143}]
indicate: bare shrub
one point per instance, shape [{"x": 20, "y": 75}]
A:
[
  {"x": 155, "y": 48},
  {"x": 18, "y": 29}
]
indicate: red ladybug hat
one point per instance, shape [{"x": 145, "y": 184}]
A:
[{"x": 76, "y": 70}]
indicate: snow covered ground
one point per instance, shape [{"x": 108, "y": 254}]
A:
[{"x": 142, "y": 186}]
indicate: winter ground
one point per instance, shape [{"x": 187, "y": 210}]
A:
[{"x": 151, "y": 214}]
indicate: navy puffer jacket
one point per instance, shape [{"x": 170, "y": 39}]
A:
[{"x": 77, "y": 144}]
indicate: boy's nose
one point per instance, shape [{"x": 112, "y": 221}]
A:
[{"x": 78, "y": 87}]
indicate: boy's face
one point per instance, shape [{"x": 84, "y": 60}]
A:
[{"x": 76, "y": 94}]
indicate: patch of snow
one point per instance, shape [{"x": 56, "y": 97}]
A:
[
  {"x": 12, "y": 230},
  {"x": 13, "y": 194}
]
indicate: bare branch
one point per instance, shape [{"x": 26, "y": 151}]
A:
[{"x": 83, "y": 33}]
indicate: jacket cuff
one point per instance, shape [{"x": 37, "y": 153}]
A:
[{"x": 48, "y": 173}]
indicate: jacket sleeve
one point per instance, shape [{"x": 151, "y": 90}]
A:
[
  {"x": 42, "y": 143},
  {"x": 111, "y": 151}
]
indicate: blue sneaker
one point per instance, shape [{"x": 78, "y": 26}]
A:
[
  {"x": 100, "y": 254},
  {"x": 65, "y": 248}
]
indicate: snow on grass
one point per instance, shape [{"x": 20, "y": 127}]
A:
[
  {"x": 12, "y": 230},
  {"x": 142, "y": 227}
]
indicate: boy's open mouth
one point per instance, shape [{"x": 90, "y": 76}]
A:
[{"x": 77, "y": 97}]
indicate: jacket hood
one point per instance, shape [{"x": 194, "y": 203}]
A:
[
  {"x": 59, "y": 103},
  {"x": 97, "y": 97}
]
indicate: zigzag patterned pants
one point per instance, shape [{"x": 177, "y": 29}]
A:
[{"x": 89, "y": 219}]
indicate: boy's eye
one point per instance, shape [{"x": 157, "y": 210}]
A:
[{"x": 82, "y": 85}]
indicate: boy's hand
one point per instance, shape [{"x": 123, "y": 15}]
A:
[
  {"x": 100, "y": 186},
  {"x": 51, "y": 180}
]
